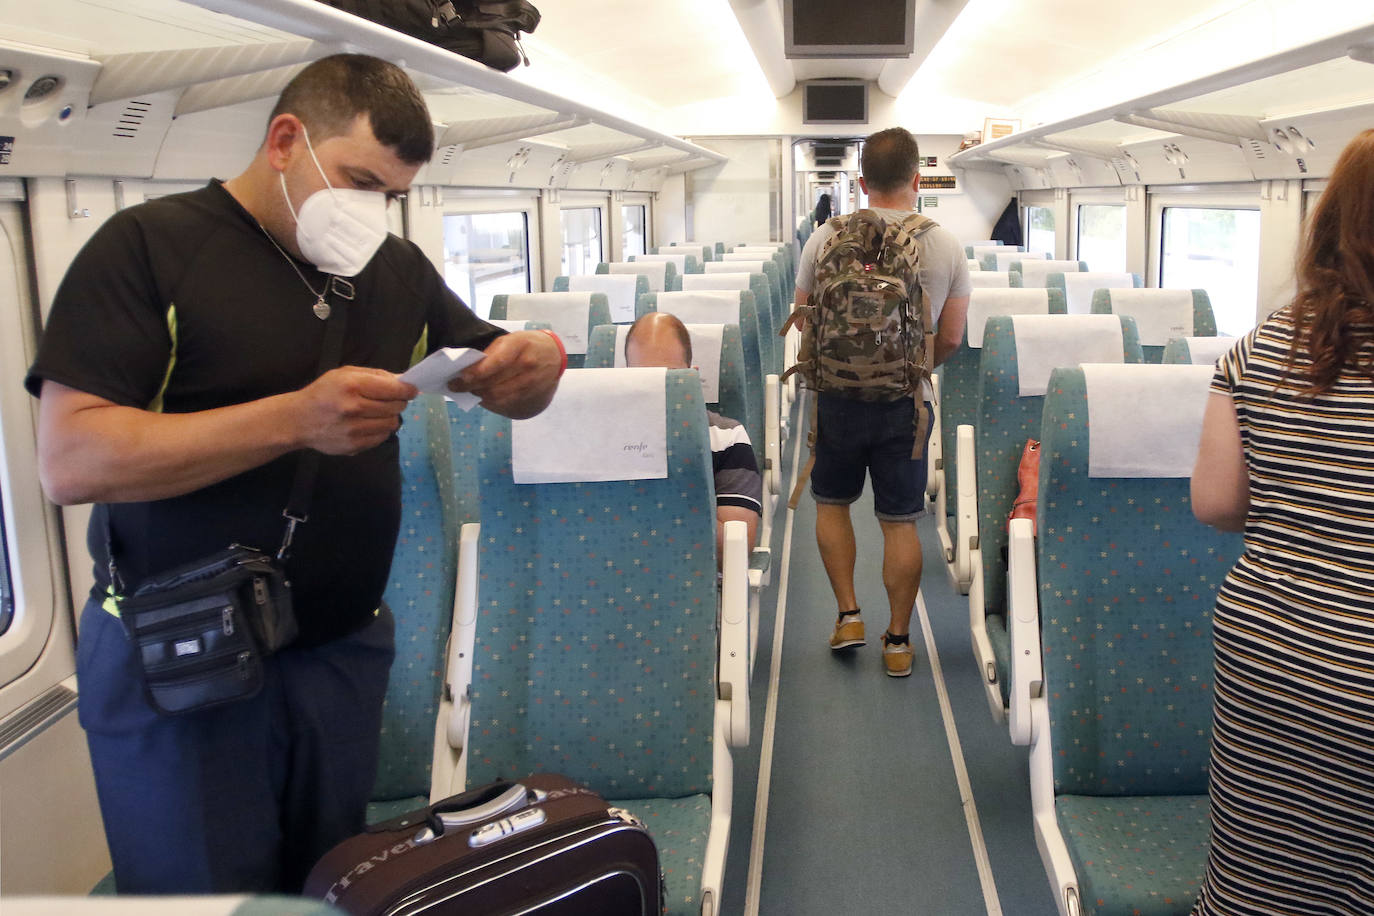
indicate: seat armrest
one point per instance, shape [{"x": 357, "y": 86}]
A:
[
  {"x": 722, "y": 810},
  {"x": 966, "y": 508},
  {"x": 1049, "y": 839},
  {"x": 935, "y": 449},
  {"x": 1023, "y": 624},
  {"x": 732, "y": 665},
  {"x": 772, "y": 433},
  {"x": 455, "y": 705}
]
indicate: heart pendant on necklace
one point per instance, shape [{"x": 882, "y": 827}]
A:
[{"x": 321, "y": 309}]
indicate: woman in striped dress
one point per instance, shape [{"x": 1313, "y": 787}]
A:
[{"x": 1287, "y": 456}]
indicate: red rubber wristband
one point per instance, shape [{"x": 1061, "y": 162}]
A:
[{"x": 562, "y": 352}]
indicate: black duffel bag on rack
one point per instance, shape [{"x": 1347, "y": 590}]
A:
[{"x": 488, "y": 31}]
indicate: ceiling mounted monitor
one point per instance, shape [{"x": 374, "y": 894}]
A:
[
  {"x": 835, "y": 102},
  {"x": 843, "y": 28}
]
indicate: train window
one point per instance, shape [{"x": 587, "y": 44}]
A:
[
  {"x": 1040, "y": 230},
  {"x": 1102, "y": 236},
  {"x": 1217, "y": 250},
  {"x": 582, "y": 249},
  {"x": 486, "y": 254},
  {"x": 633, "y": 240}
]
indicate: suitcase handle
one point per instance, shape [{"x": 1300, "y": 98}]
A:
[{"x": 515, "y": 797}]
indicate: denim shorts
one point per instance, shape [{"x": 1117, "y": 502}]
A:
[{"x": 876, "y": 437}]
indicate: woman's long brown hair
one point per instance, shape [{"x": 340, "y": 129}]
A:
[{"x": 1333, "y": 311}]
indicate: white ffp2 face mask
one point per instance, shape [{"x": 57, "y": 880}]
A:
[{"x": 338, "y": 229}]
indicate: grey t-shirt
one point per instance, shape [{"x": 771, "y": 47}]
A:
[{"x": 943, "y": 267}]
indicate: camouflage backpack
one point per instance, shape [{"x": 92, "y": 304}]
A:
[{"x": 866, "y": 330}]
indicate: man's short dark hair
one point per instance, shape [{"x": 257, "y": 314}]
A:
[
  {"x": 683, "y": 337},
  {"x": 329, "y": 95},
  {"x": 890, "y": 160}
]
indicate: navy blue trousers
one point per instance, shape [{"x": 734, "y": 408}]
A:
[{"x": 240, "y": 798}]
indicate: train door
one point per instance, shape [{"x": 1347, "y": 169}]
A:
[{"x": 51, "y": 838}]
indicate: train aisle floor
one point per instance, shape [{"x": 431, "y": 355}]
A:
[{"x": 864, "y": 806}]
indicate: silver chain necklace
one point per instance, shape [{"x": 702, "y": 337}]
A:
[{"x": 338, "y": 285}]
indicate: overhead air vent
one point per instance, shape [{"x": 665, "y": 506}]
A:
[
  {"x": 835, "y": 102},
  {"x": 1257, "y": 148},
  {"x": 450, "y": 153},
  {"x": 843, "y": 28},
  {"x": 131, "y": 119}
]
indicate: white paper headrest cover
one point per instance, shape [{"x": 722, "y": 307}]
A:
[
  {"x": 1145, "y": 420},
  {"x": 603, "y": 424},
  {"x": 984, "y": 303},
  {"x": 566, "y": 313},
  {"x": 1046, "y": 342}
]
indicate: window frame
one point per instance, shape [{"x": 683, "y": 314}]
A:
[
  {"x": 572, "y": 202},
  {"x": 34, "y": 562},
  {"x": 461, "y": 202},
  {"x": 638, "y": 199},
  {"x": 1230, "y": 196}
]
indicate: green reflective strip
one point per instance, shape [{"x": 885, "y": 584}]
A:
[
  {"x": 156, "y": 405},
  {"x": 421, "y": 349},
  {"x": 111, "y": 602}
]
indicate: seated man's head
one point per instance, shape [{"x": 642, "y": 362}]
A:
[{"x": 656, "y": 340}]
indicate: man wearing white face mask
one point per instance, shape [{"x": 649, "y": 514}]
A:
[{"x": 180, "y": 387}]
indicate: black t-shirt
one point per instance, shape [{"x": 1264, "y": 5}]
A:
[{"x": 184, "y": 304}]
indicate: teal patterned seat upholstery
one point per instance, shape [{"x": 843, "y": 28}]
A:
[
  {"x": 420, "y": 595},
  {"x": 595, "y": 645},
  {"x": 712, "y": 311},
  {"x": 622, "y": 311},
  {"x": 607, "y": 351},
  {"x": 776, "y": 308},
  {"x": 665, "y": 280},
  {"x": 1155, "y": 336},
  {"x": 1127, "y": 582},
  {"x": 1005, "y": 420},
  {"x": 598, "y": 313},
  {"x": 959, "y": 373}
]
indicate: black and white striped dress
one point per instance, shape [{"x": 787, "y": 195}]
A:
[{"x": 1292, "y": 772}]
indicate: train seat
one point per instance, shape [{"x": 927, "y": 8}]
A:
[
  {"x": 718, "y": 353},
  {"x": 804, "y": 230},
  {"x": 787, "y": 270},
  {"x": 592, "y": 610},
  {"x": 708, "y": 251},
  {"x": 685, "y": 262},
  {"x": 757, "y": 283},
  {"x": 1033, "y": 271},
  {"x": 571, "y": 315},
  {"x": 955, "y": 517},
  {"x": 1014, "y": 368},
  {"x": 735, "y": 263},
  {"x": 420, "y": 594},
  {"x": 976, "y": 250},
  {"x": 1117, "y": 706},
  {"x": 1079, "y": 287},
  {"x": 662, "y": 275},
  {"x": 974, "y": 265},
  {"x": 1160, "y": 315},
  {"x": 1197, "y": 350},
  {"x": 1002, "y": 258},
  {"x": 622, "y": 291},
  {"x": 761, "y": 417},
  {"x": 994, "y": 279}
]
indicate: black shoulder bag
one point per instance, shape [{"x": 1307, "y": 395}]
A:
[
  {"x": 203, "y": 629},
  {"x": 488, "y": 31}
]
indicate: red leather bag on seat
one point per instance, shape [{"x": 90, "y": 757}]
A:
[{"x": 1028, "y": 478}]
